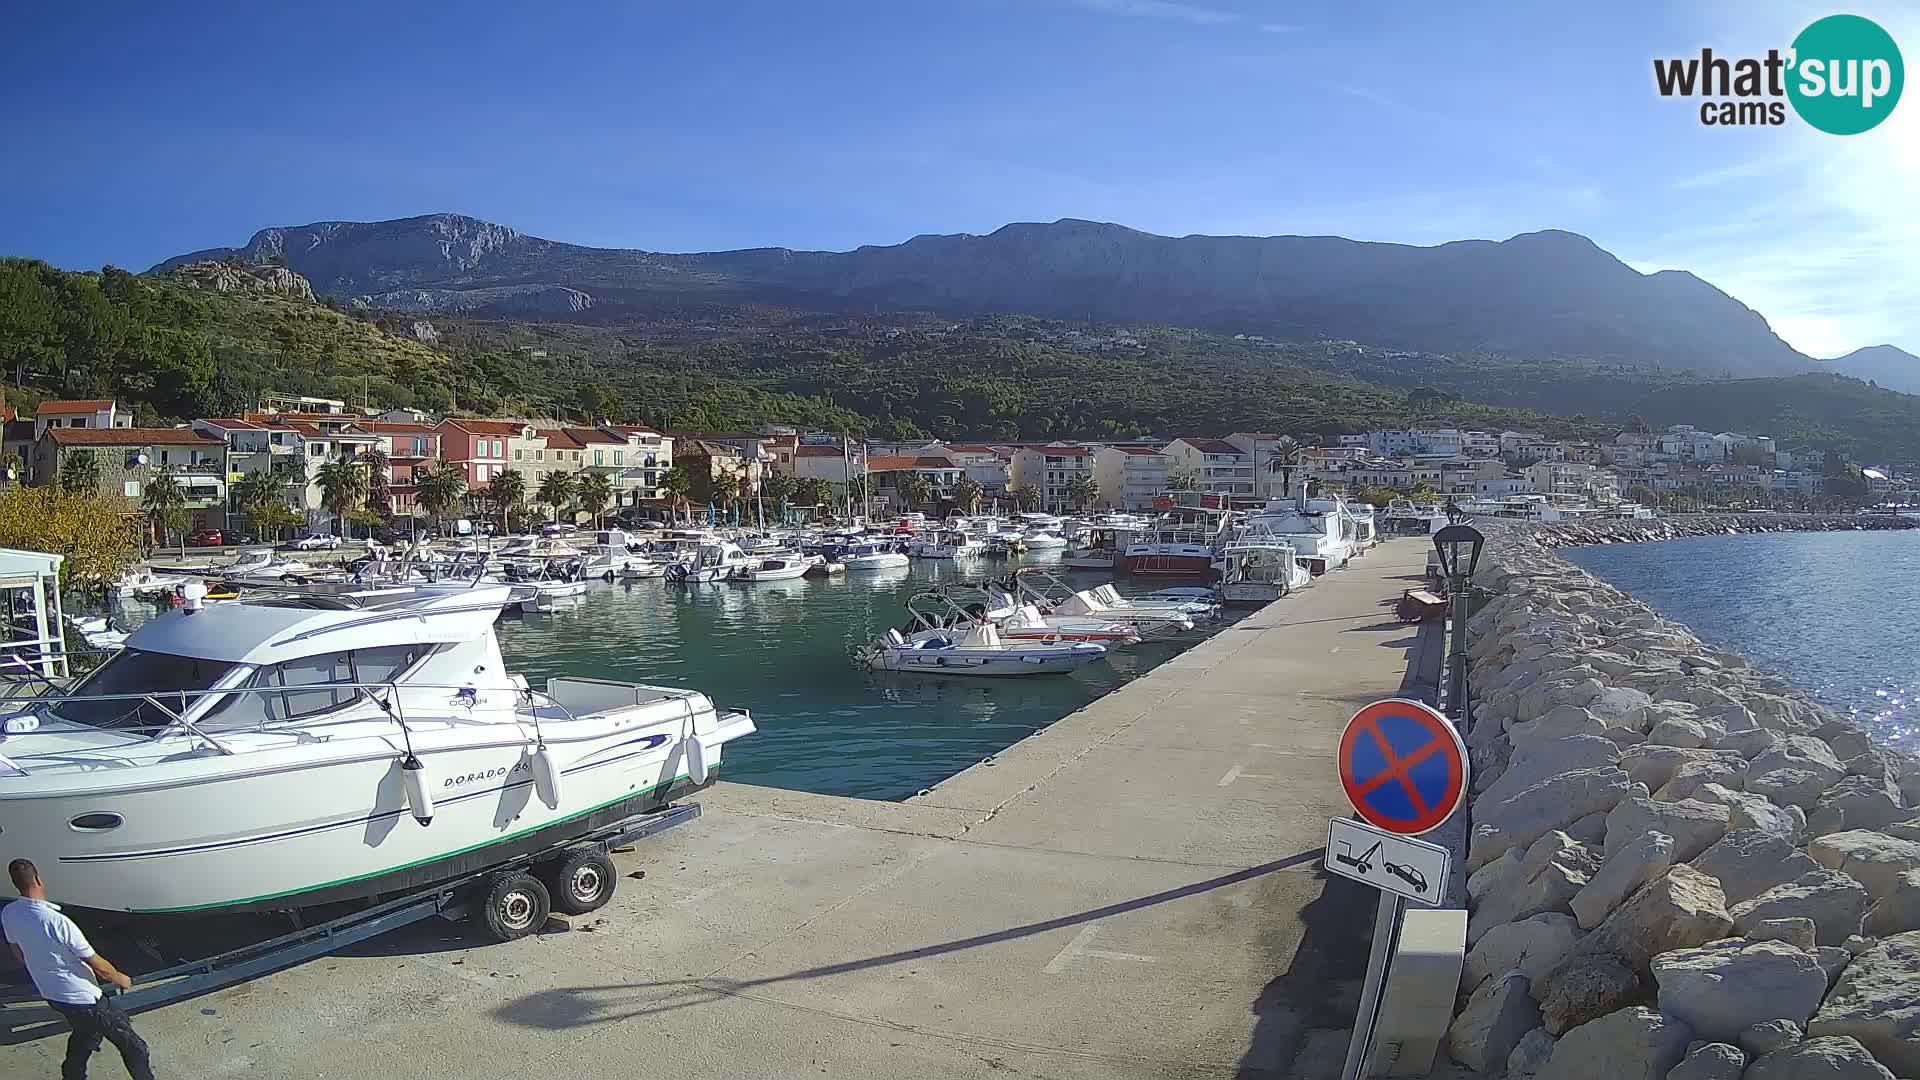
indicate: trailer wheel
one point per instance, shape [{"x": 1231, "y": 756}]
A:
[
  {"x": 581, "y": 880},
  {"x": 512, "y": 905}
]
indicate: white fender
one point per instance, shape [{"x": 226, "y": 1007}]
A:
[
  {"x": 696, "y": 755},
  {"x": 413, "y": 774},
  {"x": 546, "y": 777}
]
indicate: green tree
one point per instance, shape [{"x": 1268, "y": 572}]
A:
[
  {"x": 342, "y": 486},
  {"x": 725, "y": 493},
  {"x": 165, "y": 504},
  {"x": 1025, "y": 497},
  {"x": 556, "y": 491},
  {"x": 1288, "y": 457},
  {"x": 1182, "y": 478},
  {"x": 375, "y": 465},
  {"x": 967, "y": 494},
  {"x": 437, "y": 488},
  {"x": 779, "y": 488},
  {"x": 915, "y": 489},
  {"x": 80, "y": 472},
  {"x": 677, "y": 482},
  {"x": 597, "y": 403},
  {"x": 509, "y": 491},
  {"x": 1082, "y": 491},
  {"x": 595, "y": 492},
  {"x": 817, "y": 492}
]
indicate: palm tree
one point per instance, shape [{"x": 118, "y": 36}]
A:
[
  {"x": 1287, "y": 457},
  {"x": 438, "y": 488},
  {"x": 1026, "y": 498},
  {"x": 165, "y": 504},
  {"x": 725, "y": 492},
  {"x": 816, "y": 492},
  {"x": 915, "y": 489},
  {"x": 967, "y": 493},
  {"x": 509, "y": 489},
  {"x": 255, "y": 493},
  {"x": 375, "y": 461},
  {"x": 556, "y": 490},
  {"x": 79, "y": 471},
  {"x": 342, "y": 486},
  {"x": 1082, "y": 491},
  {"x": 678, "y": 484},
  {"x": 595, "y": 492},
  {"x": 780, "y": 488}
]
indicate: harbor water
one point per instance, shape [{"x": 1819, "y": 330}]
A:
[
  {"x": 782, "y": 649},
  {"x": 1835, "y": 612}
]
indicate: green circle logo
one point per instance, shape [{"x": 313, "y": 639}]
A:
[{"x": 1846, "y": 74}]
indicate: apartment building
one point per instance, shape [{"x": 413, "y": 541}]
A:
[
  {"x": 1130, "y": 477},
  {"x": 79, "y": 414},
  {"x": 128, "y": 458},
  {"x": 1051, "y": 469},
  {"x": 409, "y": 446},
  {"x": 886, "y": 471},
  {"x": 1217, "y": 465},
  {"x": 478, "y": 448}
]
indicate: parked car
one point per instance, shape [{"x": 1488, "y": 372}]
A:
[
  {"x": 206, "y": 538},
  {"x": 316, "y": 542}
]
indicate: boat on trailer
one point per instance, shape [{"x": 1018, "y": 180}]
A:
[{"x": 307, "y": 749}]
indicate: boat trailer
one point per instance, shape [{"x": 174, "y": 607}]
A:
[{"x": 454, "y": 899}]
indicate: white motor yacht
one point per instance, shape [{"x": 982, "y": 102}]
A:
[
  {"x": 711, "y": 561},
  {"x": 872, "y": 556},
  {"x": 1260, "y": 572},
  {"x": 308, "y": 749},
  {"x": 781, "y": 568},
  {"x": 1320, "y": 531}
]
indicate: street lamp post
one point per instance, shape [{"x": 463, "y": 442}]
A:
[{"x": 1459, "y": 549}]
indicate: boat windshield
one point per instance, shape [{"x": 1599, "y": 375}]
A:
[{"x": 135, "y": 671}]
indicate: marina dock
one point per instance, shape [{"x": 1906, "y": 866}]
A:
[{"x": 1132, "y": 892}]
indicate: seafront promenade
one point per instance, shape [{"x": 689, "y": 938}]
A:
[{"x": 1133, "y": 892}]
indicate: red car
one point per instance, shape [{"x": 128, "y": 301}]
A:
[{"x": 205, "y": 538}]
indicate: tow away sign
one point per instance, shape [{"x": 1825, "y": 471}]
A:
[{"x": 1397, "y": 864}]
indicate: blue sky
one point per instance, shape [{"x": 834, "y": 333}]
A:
[{"x": 136, "y": 132}]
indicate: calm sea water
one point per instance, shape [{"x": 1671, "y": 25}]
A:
[
  {"x": 782, "y": 649},
  {"x": 1838, "y": 613}
]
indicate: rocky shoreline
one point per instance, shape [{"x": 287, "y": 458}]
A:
[
  {"x": 1681, "y": 867},
  {"x": 1642, "y": 530}
]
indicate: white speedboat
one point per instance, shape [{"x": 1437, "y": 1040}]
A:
[
  {"x": 98, "y": 631},
  {"x": 782, "y": 568},
  {"x": 711, "y": 561},
  {"x": 260, "y": 564},
  {"x": 977, "y": 650},
  {"x": 1043, "y": 540},
  {"x": 872, "y": 556},
  {"x": 146, "y": 581},
  {"x": 1321, "y": 531},
  {"x": 639, "y": 569},
  {"x": 304, "y": 750},
  {"x": 952, "y": 544}
]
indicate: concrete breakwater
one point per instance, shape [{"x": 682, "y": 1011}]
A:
[
  {"x": 1680, "y": 866},
  {"x": 1641, "y": 530}
]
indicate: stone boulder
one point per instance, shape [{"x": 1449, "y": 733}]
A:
[
  {"x": 1694, "y": 775},
  {"x": 1694, "y": 825},
  {"x": 1874, "y": 859},
  {"x": 1877, "y": 1002},
  {"x": 1631, "y": 1044},
  {"x": 1710, "y": 1061},
  {"x": 1646, "y": 858},
  {"x": 1620, "y": 706},
  {"x": 1746, "y": 811},
  {"x": 1796, "y": 931},
  {"x": 1655, "y": 766},
  {"x": 1536, "y": 763},
  {"x": 1770, "y": 1035},
  {"x": 1548, "y": 889},
  {"x": 1750, "y": 744},
  {"x": 1856, "y": 802},
  {"x": 1833, "y": 901},
  {"x": 1897, "y": 912},
  {"x": 1604, "y": 970},
  {"x": 1795, "y": 772},
  {"x": 1721, "y": 989},
  {"x": 1749, "y": 862},
  {"x": 1542, "y": 808},
  {"x": 1832, "y": 1058},
  {"x": 1585, "y": 988},
  {"x": 1904, "y": 830},
  {"x": 1693, "y": 733},
  {"x": 1531, "y": 946},
  {"x": 1492, "y": 1023},
  {"x": 1529, "y": 1054}
]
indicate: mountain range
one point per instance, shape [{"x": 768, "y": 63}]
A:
[
  {"x": 1541, "y": 295},
  {"x": 1893, "y": 368}
]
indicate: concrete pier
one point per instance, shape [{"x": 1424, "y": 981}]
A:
[{"x": 1134, "y": 892}]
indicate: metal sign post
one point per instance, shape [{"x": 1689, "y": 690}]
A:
[{"x": 1404, "y": 768}]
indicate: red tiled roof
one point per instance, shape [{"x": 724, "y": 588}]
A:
[
  {"x": 483, "y": 427},
  {"x": 561, "y": 439},
  {"x": 810, "y": 450},
  {"x": 1213, "y": 446},
  {"x": 905, "y": 462},
  {"x": 395, "y": 427},
  {"x": 230, "y": 422},
  {"x": 1060, "y": 451},
  {"x": 72, "y": 408},
  {"x": 132, "y": 436},
  {"x": 589, "y": 436}
]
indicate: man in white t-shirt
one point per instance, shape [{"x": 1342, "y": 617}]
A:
[{"x": 63, "y": 965}]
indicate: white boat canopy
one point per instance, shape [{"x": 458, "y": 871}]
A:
[{"x": 270, "y": 630}]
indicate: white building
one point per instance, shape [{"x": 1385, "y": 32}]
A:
[
  {"x": 1217, "y": 465},
  {"x": 1130, "y": 476},
  {"x": 100, "y": 413},
  {"x": 1049, "y": 469}
]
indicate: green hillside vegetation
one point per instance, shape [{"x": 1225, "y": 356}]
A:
[{"x": 173, "y": 351}]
